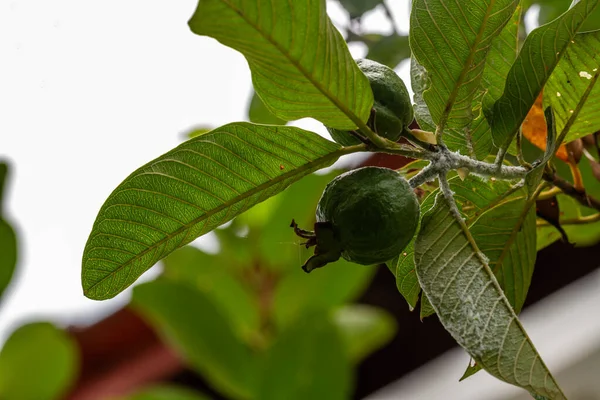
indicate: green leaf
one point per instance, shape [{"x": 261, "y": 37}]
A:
[
  {"x": 166, "y": 392},
  {"x": 470, "y": 371},
  {"x": 38, "y": 361},
  {"x": 8, "y": 239},
  {"x": 196, "y": 329},
  {"x": 191, "y": 190},
  {"x": 260, "y": 114},
  {"x": 356, "y": 8},
  {"x": 300, "y": 64},
  {"x": 471, "y": 306},
  {"x": 451, "y": 40},
  {"x": 389, "y": 50},
  {"x": 308, "y": 361},
  {"x": 364, "y": 329},
  {"x": 541, "y": 51},
  {"x": 501, "y": 54},
  {"x": 426, "y": 307},
  {"x": 210, "y": 275},
  {"x": 324, "y": 289},
  {"x": 504, "y": 232},
  {"x": 572, "y": 90}
]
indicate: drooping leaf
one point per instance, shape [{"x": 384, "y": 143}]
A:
[
  {"x": 165, "y": 392},
  {"x": 199, "y": 332},
  {"x": 572, "y": 89},
  {"x": 300, "y": 64},
  {"x": 328, "y": 287},
  {"x": 308, "y": 361},
  {"x": 260, "y": 114},
  {"x": 364, "y": 329},
  {"x": 38, "y": 361},
  {"x": 8, "y": 238},
  {"x": 191, "y": 190},
  {"x": 471, "y": 306},
  {"x": 541, "y": 52},
  {"x": 503, "y": 230},
  {"x": 451, "y": 40},
  {"x": 209, "y": 274}
]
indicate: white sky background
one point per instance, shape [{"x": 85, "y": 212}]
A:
[{"x": 90, "y": 91}]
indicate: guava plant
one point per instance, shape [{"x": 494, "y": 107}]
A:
[{"x": 476, "y": 83}]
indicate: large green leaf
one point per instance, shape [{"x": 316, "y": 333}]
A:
[
  {"x": 503, "y": 230},
  {"x": 364, "y": 329},
  {"x": 308, "y": 361},
  {"x": 572, "y": 90},
  {"x": 471, "y": 306},
  {"x": 542, "y": 50},
  {"x": 8, "y": 239},
  {"x": 191, "y": 190},
  {"x": 451, "y": 40},
  {"x": 38, "y": 361},
  {"x": 502, "y": 52},
  {"x": 164, "y": 392},
  {"x": 300, "y": 64},
  {"x": 197, "y": 329},
  {"x": 210, "y": 274}
]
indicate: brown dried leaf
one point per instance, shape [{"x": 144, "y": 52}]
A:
[{"x": 534, "y": 129}]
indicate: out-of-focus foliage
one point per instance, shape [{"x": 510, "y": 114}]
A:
[
  {"x": 8, "y": 239},
  {"x": 164, "y": 392},
  {"x": 37, "y": 362}
]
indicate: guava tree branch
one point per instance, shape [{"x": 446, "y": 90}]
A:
[{"x": 567, "y": 188}]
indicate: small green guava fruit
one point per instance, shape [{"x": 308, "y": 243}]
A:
[
  {"x": 367, "y": 216},
  {"x": 392, "y": 108}
]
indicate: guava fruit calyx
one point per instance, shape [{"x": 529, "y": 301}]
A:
[{"x": 327, "y": 247}]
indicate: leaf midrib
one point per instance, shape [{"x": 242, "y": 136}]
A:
[
  {"x": 305, "y": 73},
  {"x": 334, "y": 155}
]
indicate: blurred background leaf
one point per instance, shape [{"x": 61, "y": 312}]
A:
[
  {"x": 364, "y": 329},
  {"x": 198, "y": 330},
  {"x": 308, "y": 361},
  {"x": 210, "y": 275},
  {"x": 165, "y": 392},
  {"x": 38, "y": 361},
  {"x": 8, "y": 238}
]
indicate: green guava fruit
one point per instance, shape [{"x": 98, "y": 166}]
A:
[
  {"x": 366, "y": 216},
  {"x": 392, "y": 108}
]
